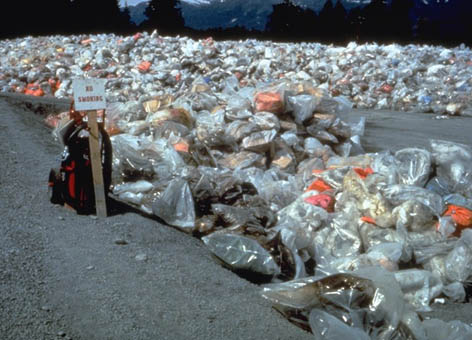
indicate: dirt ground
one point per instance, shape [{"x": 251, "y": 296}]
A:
[{"x": 64, "y": 276}]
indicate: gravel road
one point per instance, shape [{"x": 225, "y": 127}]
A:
[{"x": 64, "y": 276}]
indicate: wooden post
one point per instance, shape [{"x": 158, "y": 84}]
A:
[{"x": 96, "y": 160}]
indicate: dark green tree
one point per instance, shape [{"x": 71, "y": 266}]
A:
[
  {"x": 376, "y": 24},
  {"x": 165, "y": 16},
  {"x": 290, "y": 22},
  {"x": 355, "y": 21},
  {"x": 332, "y": 23},
  {"x": 400, "y": 24},
  {"x": 104, "y": 16}
]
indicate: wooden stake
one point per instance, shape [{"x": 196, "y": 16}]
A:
[{"x": 96, "y": 159}]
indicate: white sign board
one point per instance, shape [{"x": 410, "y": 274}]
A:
[{"x": 89, "y": 94}]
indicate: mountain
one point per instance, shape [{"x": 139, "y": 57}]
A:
[
  {"x": 136, "y": 12},
  {"x": 253, "y": 15},
  {"x": 204, "y": 14}
]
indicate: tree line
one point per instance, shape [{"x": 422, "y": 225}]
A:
[{"x": 402, "y": 21}]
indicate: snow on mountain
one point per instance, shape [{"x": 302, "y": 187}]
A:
[{"x": 204, "y": 14}]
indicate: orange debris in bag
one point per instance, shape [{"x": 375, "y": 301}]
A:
[
  {"x": 269, "y": 102},
  {"x": 181, "y": 146},
  {"x": 144, "y": 66},
  {"x": 322, "y": 200},
  {"x": 461, "y": 216},
  {"x": 34, "y": 90},
  {"x": 368, "y": 219},
  {"x": 363, "y": 173},
  {"x": 319, "y": 185}
]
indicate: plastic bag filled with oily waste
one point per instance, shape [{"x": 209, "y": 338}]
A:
[
  {"x": 453, "y": 165},
  {"x": 368, "y": 300},
  {"x": 143, "y": 157},
  {"x": 129, "y": 161},
  {"x": 275, "y": 187},
  {"x": 213, "y": 185},
  {"x": 211, "y": 131}
]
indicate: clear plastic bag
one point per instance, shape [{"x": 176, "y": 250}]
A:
[
  {"x": 118, "y": 115},
  {"x": 343, "y": 239},
  {"x": 424, "y": 250},
  {"x": 259, "y": 141},
  {"x": 299, "y": 222},
  {"x": 211, "y": 130},
  {"x": 235, "y": 216},
  {"x": 441, "y": 330},
  {"x": 265, "y": 121},
  {"x": 413, "y": 166},
  {"x": 327, "y": 327},
  {"x": 176, "y": 206},
  {"x": 459, "y": 261},
  {"x": 372, "y": 236},
  {"x": 455, "y": 292},
  {"x": 239, "y": 129},
  {"x": 180, "y": 116},
  {"x": 384, "y": 164},
  {"x": 370, "y": 202},
  {"x": 414, "y": 216},
  {"x": 134, "y": 187},
  {"x": 302, "y": 106},
  {"x": 242, "y": 160},
  {"x": 282, "y": 157},
  {"x": 398, "y": 194},
  {"x": 368, "y": 299},
  {"x": 129, "y": 162},
  {"x": 242, "y": 253},
  {"x": 454, "y": 164},
  {"x": 419, "y": 287}
]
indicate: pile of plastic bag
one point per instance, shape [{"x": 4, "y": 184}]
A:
[
  {"x": 402, "y": 78},
  {"x": 280, "y": 191},
  {"x": 239, "y": 143}
]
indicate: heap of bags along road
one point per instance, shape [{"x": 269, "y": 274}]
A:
[{"x": 277, "y": 186}]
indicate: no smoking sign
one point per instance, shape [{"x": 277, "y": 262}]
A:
[{"x": 89, "y": 94}]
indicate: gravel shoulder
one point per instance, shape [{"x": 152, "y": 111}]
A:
[{"x": 63, "y": 275}]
